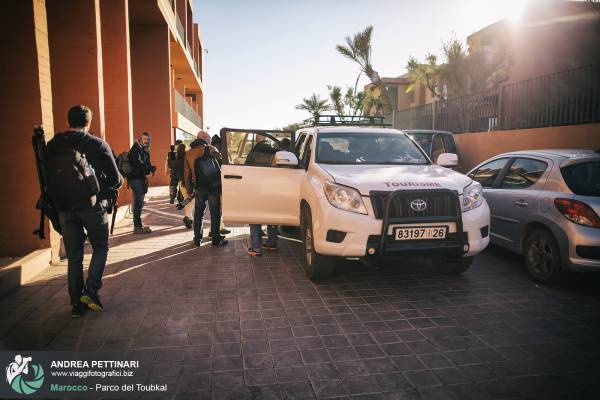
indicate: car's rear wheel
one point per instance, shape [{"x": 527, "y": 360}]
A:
[
  {"x": 316, "y": 266},
  {"x": 542, "y": 257},
  {"x": 452, "y": 265}
]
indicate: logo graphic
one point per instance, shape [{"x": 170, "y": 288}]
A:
[
  {"x": 19, "y": 378},
  {"x": 418, "y": 205}
]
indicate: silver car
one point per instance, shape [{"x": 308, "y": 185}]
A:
[{"x": 544, "y": 205}]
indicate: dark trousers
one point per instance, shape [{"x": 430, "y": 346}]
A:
[
  {"x": 214, "y": 205},
  {"x": 95, "y": 222},
  {"x": 173, "y": 183},
  {"x": 139, "y": 188}
]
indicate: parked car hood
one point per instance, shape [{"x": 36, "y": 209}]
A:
[{"x": 396, "y": 177}]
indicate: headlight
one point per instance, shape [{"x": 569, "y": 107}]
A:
[
  {"x": 472, "y": 196},
  {"x": 344, "y": 198}
]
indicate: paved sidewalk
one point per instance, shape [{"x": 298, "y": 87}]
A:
[{"x": 213, "y": 323}]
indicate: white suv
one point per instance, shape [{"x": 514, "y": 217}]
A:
[{"x": 356, "y": 192}]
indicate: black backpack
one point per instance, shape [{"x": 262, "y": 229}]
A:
[
  {"x": 171, "y": 160},
  {"x": 123, "y": 164},
  {"x": 208, "y": 173},
  {"x": 71, "y": 181}
]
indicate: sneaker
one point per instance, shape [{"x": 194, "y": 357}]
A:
[
  {"x": 140, "y": 230},
  {"x": 222, "y": 242},
  {"x": 269, "y": 247},
  {"x": 197, "y": 242},
  {"x": 78, "y": 310},
  {"x": 92, "y": 301},
  {"x": 188, "y": 222},
  {"x": 225, "y": 231},
  {"x": 252, "y": 252}
]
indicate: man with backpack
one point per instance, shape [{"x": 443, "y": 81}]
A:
[
  {"x": 202, "y": 176},
  {"x": 141, "y": 167},
  {"x": 81, "y": 176}
]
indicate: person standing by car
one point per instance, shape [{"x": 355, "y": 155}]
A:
[
  {"x": 263, "y": 154},
  {"x": 188, "y": 210},
  {"x": 139, "y": 158},
  {"x": 82, "y": 175},
  {"x": 202, "y": 176},
  {"x": 217, "y": 143},
  {"x": 171, "y": 173}
]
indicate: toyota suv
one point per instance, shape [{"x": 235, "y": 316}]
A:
[{"x": 357, "y": 191}]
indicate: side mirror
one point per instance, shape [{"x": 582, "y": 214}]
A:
[
  {"x": 286, "y": 159},
  {"x": 447, "y": 160}
]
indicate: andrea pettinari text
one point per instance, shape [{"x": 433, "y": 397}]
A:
[{"x": 61, "y": 374}]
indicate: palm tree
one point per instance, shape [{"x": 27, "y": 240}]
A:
[
  {"x": 358, "y": 49},
  {"x": 314, "y": 105}
]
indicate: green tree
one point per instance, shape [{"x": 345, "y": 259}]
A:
[
  {"x": 314, "y": 105},
  {"x": 349, "y": 103},
  {"x": 358, "y": 49},
  {"x": 461, "y": 72}
]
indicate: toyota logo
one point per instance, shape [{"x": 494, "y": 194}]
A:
[{"x": 418, "y": 205}]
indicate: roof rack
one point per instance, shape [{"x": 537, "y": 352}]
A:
[{"x": 346, "y": 120}]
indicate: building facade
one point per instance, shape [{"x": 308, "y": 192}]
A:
[{"x": 138, "y": 64}]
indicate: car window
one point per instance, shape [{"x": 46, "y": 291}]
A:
[
  {"x": 424, "y": 140},
  {"x": 304, "y": 154},
  {"x": 255, "y": 148},
  {"x": 583, "y": 178},
  {"x": 523, "y": 173},
  {"x": 449, "y": 144},
  {"x": 437, "y": 147},
  {"x": 487, "y": 173},
  {"x": 368, "y": 148},
  {"x": 299, "y": 143}
]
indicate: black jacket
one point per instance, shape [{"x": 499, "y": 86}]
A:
[
  {"x": 139, "y": 159},
  {"x": 98, "y": 154}
]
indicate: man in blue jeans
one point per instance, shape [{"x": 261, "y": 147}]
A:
[
  {"x": 256, "y": 239},
  {"x": 91, "y": 217},
  {"x": 139, "y": 158}
]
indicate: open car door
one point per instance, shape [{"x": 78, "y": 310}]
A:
[{"x": 256, "y": 188}]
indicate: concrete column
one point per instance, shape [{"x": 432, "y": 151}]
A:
[
  {"x": 151, "y": 92},
  {"x": 76, "y": 52},
  {"x": 117, "y": 74},
  {"x": 26, "y": 101}
]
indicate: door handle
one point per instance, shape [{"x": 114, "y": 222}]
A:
[
  {"x": 232, "y": 177},
  {"x": 521, "y": 203}
]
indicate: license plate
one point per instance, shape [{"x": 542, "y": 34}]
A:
[{"x": 420, "y": 233}]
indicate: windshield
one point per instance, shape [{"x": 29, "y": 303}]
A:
[
  {"x": 583, "y": 178},
  {"x": 424, "y": 140},
  {"x": 368, "y": 148}
]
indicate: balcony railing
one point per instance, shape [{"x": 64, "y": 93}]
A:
[
  {"x": 180, "y": 28},
  {"x": 564, "y": 98},
  {"x": 188, "y": 47},
  {"x": 184, "y": 108}
]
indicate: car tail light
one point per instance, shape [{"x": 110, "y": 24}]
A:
[{"x": 577, "y": 212}]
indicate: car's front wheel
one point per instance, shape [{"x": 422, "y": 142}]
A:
[
  {"x": 542, "y": 257},
  {"x": 317, "y": 266},
  {"x": 452, "y": 266}
]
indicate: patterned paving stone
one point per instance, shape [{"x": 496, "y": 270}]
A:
[{"x": 216, "y": 324}]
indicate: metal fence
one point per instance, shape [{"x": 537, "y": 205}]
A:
[{"x": 563, "y": 98}]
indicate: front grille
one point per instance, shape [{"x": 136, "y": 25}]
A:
[{"x": 439, "y": 204}]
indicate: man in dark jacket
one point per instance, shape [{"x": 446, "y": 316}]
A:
[
  {"x": 139, "y": 158},
  {"x": 171, "y": 172},
  {"x": 200, "y": 149},
  {"x": 94, "y": 218}
]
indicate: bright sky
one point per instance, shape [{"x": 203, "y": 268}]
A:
[{"x": 264, "y": 56}]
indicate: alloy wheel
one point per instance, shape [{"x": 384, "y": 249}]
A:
[{"x": 541, "y": 256}]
